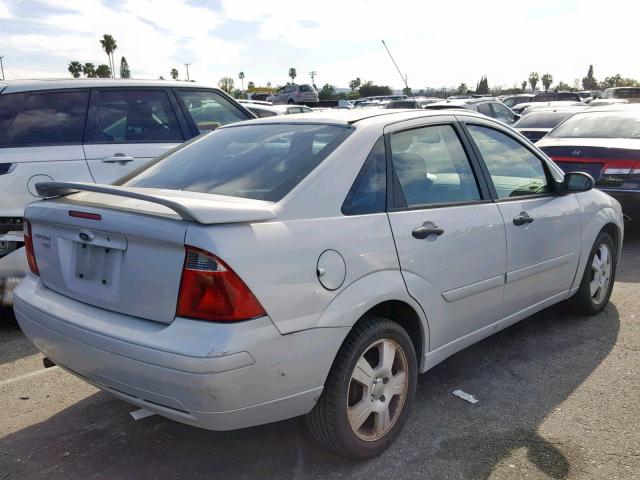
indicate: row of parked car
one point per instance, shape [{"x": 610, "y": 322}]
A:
[{"x": 311, "y": 264}]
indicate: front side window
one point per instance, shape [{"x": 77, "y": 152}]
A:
[
  {"x": 432, "y": 166},
  {"x": 502, "y": 113},
  {"x": 132, "y": 116},
  {"x": 210, "y": 110},
  {"x": 34, "y": 119},
  {"x": 514, "y": 169},
  {"x": 485, "y": 109},
  {"x": 261, "y": 162},
  {"x": 368, "y": 193}
]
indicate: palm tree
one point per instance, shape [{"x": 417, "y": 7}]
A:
[
  {"x": 533, "y": 80},
  {"x": 292, "y": 73},
  {"x": 547, "y": 80},
  {"x": 109, "y": 46},
  {"x": 103, "y": 71},
  {"x": 241, "y": 77},
  {"x": 75, "y": 68},
  {"x": 174, "y": 73},
  {"x": 89, "y": 70}
]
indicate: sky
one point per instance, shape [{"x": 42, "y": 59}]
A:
[{"x": 435, "y": 44}]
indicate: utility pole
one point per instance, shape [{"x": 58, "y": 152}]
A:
[
  {"x": 2, "y": 67},
  {"x": 313, "y": 74},
  {"x": 187, "y": 65}
]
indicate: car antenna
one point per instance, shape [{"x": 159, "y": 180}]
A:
[{"x": 403, "y": 77}]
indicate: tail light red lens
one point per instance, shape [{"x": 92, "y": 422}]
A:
[
  {"x": 210, "y": 290},
  {"x": 28, "y": 246}
]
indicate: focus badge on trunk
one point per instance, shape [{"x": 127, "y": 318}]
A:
[{"x": 85, "y": 236}]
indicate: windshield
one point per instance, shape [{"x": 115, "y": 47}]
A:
[
  {"x": 600, "y": 125},
  {"x": 261, "y": 162},
  {"x": 542, "y": 119}
]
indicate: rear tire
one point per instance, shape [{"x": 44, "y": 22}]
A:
[
  {"x": 598, "y": 277},
  {"x": 368, "y": 391}
]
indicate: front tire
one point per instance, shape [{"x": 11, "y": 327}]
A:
[
  {"x": 598, "y": 277},
  {"x": 368, "y": 391}
]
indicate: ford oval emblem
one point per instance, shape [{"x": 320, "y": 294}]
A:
[
  {"x": 576, "y": 153},
  {"x": 86, "y": 236}
]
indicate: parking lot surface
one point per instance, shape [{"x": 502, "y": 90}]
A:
[{"x": 559, "y": 397}]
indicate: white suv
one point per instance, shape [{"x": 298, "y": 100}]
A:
[{"x": 89, "y": 131}]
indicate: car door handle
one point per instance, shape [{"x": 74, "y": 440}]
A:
[
  {"x": 426, "y": 230},
  {"x": 118, "y": 158},
  {"x": 522, "y": 219}
]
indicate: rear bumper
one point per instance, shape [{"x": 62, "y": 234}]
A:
[{"x": 210, "y": 375}]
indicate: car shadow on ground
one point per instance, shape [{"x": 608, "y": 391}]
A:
[
  {"x": 628, "y": 270},
  {"x": 520, "y": 376},
  {"x": 13, "y": 344}
]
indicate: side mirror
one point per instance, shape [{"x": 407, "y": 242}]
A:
[{"x": 575, "y": 182}]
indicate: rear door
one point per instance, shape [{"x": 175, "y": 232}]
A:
[
  {"x": 449, "y": 234},
  {"x": 127, "y": 127},
  {"x": 543, "y": 228}
]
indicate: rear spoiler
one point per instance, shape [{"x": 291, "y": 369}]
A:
[{"x": 216, "y": 210}]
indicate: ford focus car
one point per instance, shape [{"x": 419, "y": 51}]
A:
[{"x": 312, "y": 265}]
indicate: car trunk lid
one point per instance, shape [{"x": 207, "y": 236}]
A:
[{"x": 121, "y": 253}]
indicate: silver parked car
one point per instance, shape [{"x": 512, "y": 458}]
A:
[
  {"x": 290, "y": 94},
  {"x": 269, "y": 269}
]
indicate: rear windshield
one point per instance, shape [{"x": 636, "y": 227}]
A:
[
  {"x": 600, "y": 125},
  {"x": 307, "y": 88},
  {"x": 542, "y": 119},
  {"x": 261, "y": 162}
]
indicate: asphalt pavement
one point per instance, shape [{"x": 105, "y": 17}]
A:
[{"x": 559, "y": 397}]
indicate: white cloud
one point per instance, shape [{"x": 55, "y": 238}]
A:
[{"x": 435, "y": 43}]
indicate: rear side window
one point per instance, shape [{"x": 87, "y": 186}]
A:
[
  {"x": 501, "y": 113},
  {"x": 368, "y": 193},
  {"x": 132, "y": 116},
  {"x": 210, "y": 110},
  {"x": 485, "y": 109},
  {"x": 42, "y": 118},
  {"x": 432, "y": 166},
  {"x": 262, "y": 162},
  {"x": 514, "y": 170}
]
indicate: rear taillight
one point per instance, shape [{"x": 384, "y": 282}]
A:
[
  {"x": 28, "y": 246},
  {"x": 621, "y": 167},
  {"x": 210, "y": 290}
]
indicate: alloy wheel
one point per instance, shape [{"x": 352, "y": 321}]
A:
[{"x": 600, "y": 274}]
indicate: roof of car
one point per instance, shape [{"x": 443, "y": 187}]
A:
[
  {"x": 13, "y": 86},
  {"x": 355, "y": 115}
]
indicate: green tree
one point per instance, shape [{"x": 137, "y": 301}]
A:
[
  {"x": 75, "y": 68},
  {"x": 368, "y": 89},
  {"x": 109, "y": 46},
  {"x": 328, "y": 92},
  {"x": 589, "y": 82},
  {"x": 174, "y": 73},
  {"x": 547, "y": 80},
  {"x": 103, "y": 71},
  {"x": 462, "y": 89},
  {"x": 251, "y": 85},
  {"x": 355, "y": 84},
  {"x": 89, "y": 70},
  {"x": 124, "y": 68},
  {"x": 241, "y": 78},
  {"x": 524, "y": 86},
  {"x": 237, "y": 93},
  {"x": 483, "y": 86},
  {"x": 563, "y": 87},
  {"x": 292, "y": 74},
  {"x": 160, "y": 77},
  {"x": 618, "y": 81},
  {"x": 534, "y": 78},
  {"x": 226, "y": 84}
]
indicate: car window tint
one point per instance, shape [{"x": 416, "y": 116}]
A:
[
  {"x": 432, "y": 166},
  {"x": 514, "y": 170},
  {"x": 261, "y": 161},
  {"x": 42, "y": 118},
  {"x": 485, "y": 109},
  {"x": 368, "y": 194},
  {"x": 122, "y": 116},
  {"x": 501, "y": 113},
  {"x": 210, "y": 110}
]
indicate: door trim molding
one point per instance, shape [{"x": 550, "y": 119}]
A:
[
  {"x": 472, "y": 289},
  {"x": 539, "y": 267}
]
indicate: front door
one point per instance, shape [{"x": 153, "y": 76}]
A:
[
  {"x": 126, "y": 128},
  {"x": 449, "y": 235},
  {"x": 543, "y": 228}
]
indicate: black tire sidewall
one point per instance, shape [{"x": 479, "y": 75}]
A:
[{"x": 355, "y": 446}]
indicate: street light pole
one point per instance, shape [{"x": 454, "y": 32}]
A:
[
  {"x": 187, "y": 65},
  {"x": 2, "y": 67}
]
